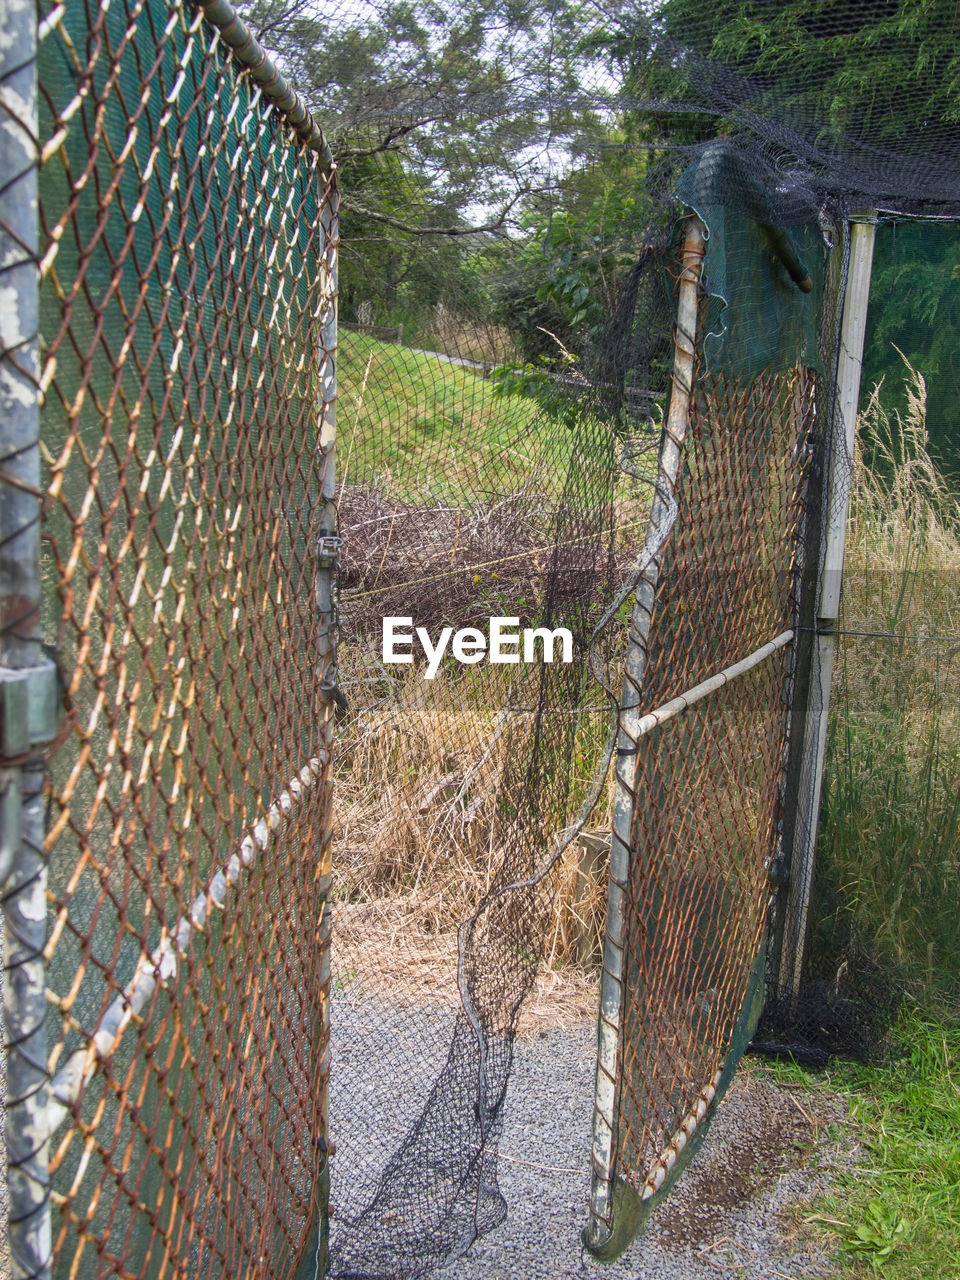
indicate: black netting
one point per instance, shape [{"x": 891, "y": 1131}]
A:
[{"x": 515, "y": 182}]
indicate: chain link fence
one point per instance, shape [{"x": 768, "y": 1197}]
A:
[
  {"x": 646, "y": 481},
  {"x": 704, "y": 728},
  {"x": 169, "y": 231}
]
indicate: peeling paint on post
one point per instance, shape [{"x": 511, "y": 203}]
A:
[
  {"x": 21, "y": 658},
  {"x": 802, "y": 838}
]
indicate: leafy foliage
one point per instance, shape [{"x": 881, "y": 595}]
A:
[
  {"x": 874, "y": 70},
  {"x": 915, "y": 310}
]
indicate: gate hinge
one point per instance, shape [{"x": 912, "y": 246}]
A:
[{"x": 29, "y": 708}]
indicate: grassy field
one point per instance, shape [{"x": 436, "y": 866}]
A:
[
  {"x": 894, "y": 1210},
  {"x": 429, "y": 430}
]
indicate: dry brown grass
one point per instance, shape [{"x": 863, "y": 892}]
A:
[
  {"x": 469, "y": 339},
  {"x": 903, "y": 512},
  {"x": 425, "y": 790},
  {"x": 902, "y": 577},
  {"x": 384, "y": 949}
]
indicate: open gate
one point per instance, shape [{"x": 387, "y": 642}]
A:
[
  {"x": 169, "y": 243},
  {"x": 718, "y": 622},
  {"x": 168, "y": 545}
]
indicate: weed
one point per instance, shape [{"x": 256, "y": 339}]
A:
[{"x": 894, "y": 1210}]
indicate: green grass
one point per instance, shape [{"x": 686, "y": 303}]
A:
[
  {"x": 429, "y": 430},
  {"x": 890, "y": 827},
  {"x": 895, "y": 1211}
]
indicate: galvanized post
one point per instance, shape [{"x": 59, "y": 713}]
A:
[
  {"x": 606, "y": 1099},
  {"x": 327, "y": 568},
  {"x": 27, "y": 683},
  {"x": 803, "y": 836}
]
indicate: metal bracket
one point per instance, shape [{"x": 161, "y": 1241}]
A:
[
  {"x": 11, "y": 803},
  {"x": 328, "y": 550},
  {"x": 29, "y": 708}
]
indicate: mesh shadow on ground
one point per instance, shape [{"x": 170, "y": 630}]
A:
[
  {"x": 739, "y": 1204},
  {"x": 769, "y": 1152}
]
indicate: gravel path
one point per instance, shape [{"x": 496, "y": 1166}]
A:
[
  {"x": 733, "y": 1212},
  {"x": 737, "y": 1211}
]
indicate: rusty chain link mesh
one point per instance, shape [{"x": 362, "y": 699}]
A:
[
  {"x": 184, "y": 363},
  {"x": 707, "y": 781},
  {"x": 187, "y": 243}
]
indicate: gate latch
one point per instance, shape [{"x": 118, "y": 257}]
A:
[{"x": 328, "y": 550}]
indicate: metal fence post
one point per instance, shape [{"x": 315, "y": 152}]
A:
[
  {"x": 328, "y": 559},
  {"x": 803, "y": 835},
  {"x": 28, "y": 693}
]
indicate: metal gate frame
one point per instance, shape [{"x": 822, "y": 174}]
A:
[
  {"x": 618, "y": 1211},
  {"x": 36, "y": 1104},
  {"x": 597, "y": 1235}
]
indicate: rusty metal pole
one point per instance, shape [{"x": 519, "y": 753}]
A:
[{"x": 606, "y": 1099}]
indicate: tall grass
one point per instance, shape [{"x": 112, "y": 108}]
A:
[
  {"x": 890, "y": 846},
  {"x": 424, "y": 781},
  {"x": 458, "y": 503},
  {"x": 890, "y": 827}
]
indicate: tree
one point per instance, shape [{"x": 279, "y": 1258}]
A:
[
  {"x": 853, "y": 73},
  {"x": 915, "y": 310},
  {"x": 446, "y": 120}
]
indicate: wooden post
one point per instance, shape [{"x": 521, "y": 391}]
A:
[{"x": 802, "y": 838}]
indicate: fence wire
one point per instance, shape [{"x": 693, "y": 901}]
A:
[
  {"x": 170, "y": 396},
  {"x": 185, "y": 376},
  {"x": 700, "y": 778}
]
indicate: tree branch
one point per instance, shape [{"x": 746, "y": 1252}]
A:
[
  {"x": 280, "y": 20},
  {"x": 387, "y": 143},
  {"x": 412, "y": 229}
]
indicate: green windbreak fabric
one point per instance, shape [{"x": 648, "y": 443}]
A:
[{"x": 756, "y": 317}]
